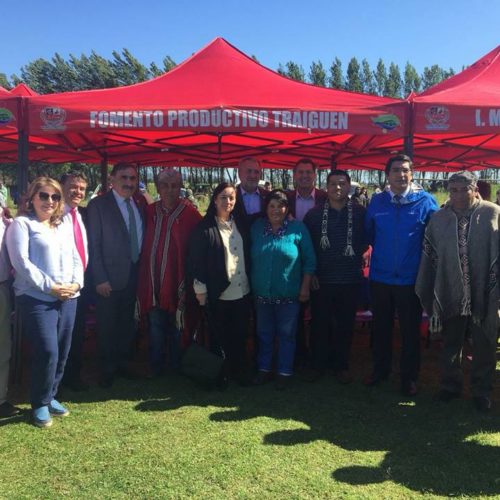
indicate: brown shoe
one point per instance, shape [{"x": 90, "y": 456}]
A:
[
  {"x": 409, "y": 388},
  {"x": 374, "y": 379},
  {"x": 445, "y": 396},
  {"x": 282, "y": 382},
  {"x": 262, "y": 378},
  {"x": 312, "y": 375},
  {"x": 344, "y": 377}
]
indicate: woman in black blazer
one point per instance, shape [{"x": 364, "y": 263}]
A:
[{"x": 219, "y": 270}]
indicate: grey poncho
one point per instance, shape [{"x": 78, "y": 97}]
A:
[{"x": 444, "y": 290}]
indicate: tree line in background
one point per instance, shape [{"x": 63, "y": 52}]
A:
[
  {"x": 97, "y": 72},
  {"x": 202, "y": 180}
]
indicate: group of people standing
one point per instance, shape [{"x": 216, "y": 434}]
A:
[{"x": 275, "y": 256}]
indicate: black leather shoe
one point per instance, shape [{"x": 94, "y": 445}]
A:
[
  {"x": 282, "y": 382},
  {"x": 409, "y": 388},
  {"x": 312, "y": 375},
  {"x": 374, "y": 379},
  {"x": 446, "y": 396},
  {"x": 9, "y": 410},
  {"x": 222, "y": 383},
  {"x": 77, "y": 385},
  {"x": 127, "y": 374},
  {"x": 262, "y": 378},
  {"x": 106, "y": 380},
  {"x": 344, "y": 377},
  {"x": 482, "y": 403}
]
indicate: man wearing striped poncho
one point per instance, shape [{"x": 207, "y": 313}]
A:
[{"x": 458, "y": 286}]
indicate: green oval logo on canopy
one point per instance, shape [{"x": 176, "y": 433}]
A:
[
  {"x": 5, "y": 116},
  {"x": 386, "y": 122}
]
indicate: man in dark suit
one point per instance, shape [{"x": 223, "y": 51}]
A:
[
  {"x": 115, "y": 237},
  {"x": 74, "y": 185},
  {"x": 300, "y": 200},
  {"x": 250, "y": 197},
  {"x": 305, "y": 195}
]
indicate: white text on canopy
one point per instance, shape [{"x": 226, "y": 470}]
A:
[
  {"x": 220, "y": 119},
  {"x": 493, "y": 118}
]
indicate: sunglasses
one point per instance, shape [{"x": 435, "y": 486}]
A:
[{"x": 45, "y": 196}]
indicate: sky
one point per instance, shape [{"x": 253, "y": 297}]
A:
[{"x": 448, "y": 33}]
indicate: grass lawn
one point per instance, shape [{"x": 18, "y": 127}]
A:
[{"x": 168, "y": 439}]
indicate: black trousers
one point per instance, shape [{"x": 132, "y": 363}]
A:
[
  {"x": 116, "y": 326},
  {"x": 482, "y": 372},
  {"x": 73, "y": 369},
  {"x": 228, "y": 328},
  {"x": 387, "y": 299},
  {"x": 337, "y": 303}
]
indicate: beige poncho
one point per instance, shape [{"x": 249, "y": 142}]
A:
[{"x": 441, "y": 284}]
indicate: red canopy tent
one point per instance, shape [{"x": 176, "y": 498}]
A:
[
  {"x": 214, "y": 108},
  {"x": 456, "y": 123},
  {"x": 13, "y": 124},
  {"x": 9, "y": 120},
  {"x": 22, "y": 90}
]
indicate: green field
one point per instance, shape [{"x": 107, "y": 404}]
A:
[{"x": 168, "y": 439}]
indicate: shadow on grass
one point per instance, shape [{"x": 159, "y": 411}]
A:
[
  {"x": 16, "y": 419},
  {"x": 429, "y": 447}
]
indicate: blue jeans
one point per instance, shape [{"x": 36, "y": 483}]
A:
[
  {"x": 277, "y": 320},
  {"x": 48, "y": 326},
  {"x": 163, "y": 331}
]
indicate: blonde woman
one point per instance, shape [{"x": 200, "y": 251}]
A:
[{"x": 48, "y": 277}]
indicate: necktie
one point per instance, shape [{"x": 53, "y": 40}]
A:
[
  {"x": 132, "y": 229},
  {"x": 77, "y": 232},
  {"x": 397, "y": 199}
]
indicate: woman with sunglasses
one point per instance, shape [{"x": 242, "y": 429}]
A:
[{"x": 48, "y": 277}]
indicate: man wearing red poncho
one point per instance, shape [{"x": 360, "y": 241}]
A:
[{"x": 161, "y": 292}]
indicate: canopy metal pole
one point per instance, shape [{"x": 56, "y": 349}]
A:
[
  {"x": 333, "y": 163},
  {"x": 219, "y": 153},
  {"x": 104, "y": 173},
  {"x": 408, "y": 140},
  {"x": 22, "y": 147}
]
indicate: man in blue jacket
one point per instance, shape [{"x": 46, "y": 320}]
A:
[{"x": 395, "y": 223}]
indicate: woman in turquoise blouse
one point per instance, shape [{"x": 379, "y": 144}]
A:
[{"x": 283, "y": 262}]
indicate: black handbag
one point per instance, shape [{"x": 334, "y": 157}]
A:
[{"x": 199, "y": 363}]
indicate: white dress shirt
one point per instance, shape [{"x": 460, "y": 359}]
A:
[
  {"x": 69, "y": 220},
  {"x": 304, "y": 204},
  {"x": 122, "y": 205}
]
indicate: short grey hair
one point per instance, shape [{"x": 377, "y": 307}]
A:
[
  {"x": 464, "y": 176},
  {"x": 169, "y": 174},
  {"x": 249, "y": 158}
]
